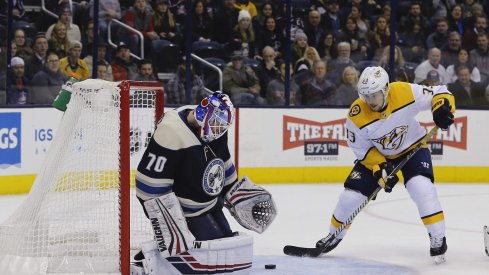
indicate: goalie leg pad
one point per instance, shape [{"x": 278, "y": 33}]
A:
[
  {"x": 169, "y": 225},
  {"x": 231, "y": 255},
  {"x": 251, "y": 205}
]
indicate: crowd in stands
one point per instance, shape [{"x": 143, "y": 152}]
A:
[{"x": 437, "y": 42}]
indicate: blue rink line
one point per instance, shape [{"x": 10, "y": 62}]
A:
[{"x": 287, "y": 265}]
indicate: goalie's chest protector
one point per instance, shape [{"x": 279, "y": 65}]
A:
[{"x": 196, "y": 170}]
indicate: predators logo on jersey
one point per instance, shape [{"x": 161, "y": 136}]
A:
[{"x": 394, "y": 139}]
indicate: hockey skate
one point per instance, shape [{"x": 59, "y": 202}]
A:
[
  {"x": 438, "y": 247},
  {"x": 326, "y": 244}
]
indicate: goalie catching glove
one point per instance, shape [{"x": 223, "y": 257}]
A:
[
  {"x": 251, "y": 205},
  {"x": 381, "y": 175}
]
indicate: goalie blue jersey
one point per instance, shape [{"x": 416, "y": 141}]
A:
[{"x": 176, "y": 160}]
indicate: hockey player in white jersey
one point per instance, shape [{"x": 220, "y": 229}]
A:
[
  {"x": 184, "y": 179},
  {"x": 381, "y": 130}
]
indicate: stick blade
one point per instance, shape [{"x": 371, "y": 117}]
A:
[{"x": 298, "y": 251}]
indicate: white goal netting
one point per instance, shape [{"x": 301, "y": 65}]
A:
[{"x": 70, "y": 221}]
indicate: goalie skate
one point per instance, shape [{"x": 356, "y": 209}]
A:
[{"x": 438, "y": 247}]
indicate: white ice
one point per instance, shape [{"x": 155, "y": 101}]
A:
[{"x": 387, "y": 237}]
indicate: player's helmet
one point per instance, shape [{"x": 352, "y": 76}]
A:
[
  {"x": 214, "y": 114},
  {"x": 372, "y": 82}
]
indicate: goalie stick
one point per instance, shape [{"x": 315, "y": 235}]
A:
[{"x": 299, "y": 251}]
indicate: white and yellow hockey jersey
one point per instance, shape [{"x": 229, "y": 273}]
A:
[{"x": 375, "y": 136}]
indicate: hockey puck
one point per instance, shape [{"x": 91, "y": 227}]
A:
[{"x": 270, "y": 266}]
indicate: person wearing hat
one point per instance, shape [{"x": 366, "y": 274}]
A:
[
  {"x": 65, "y": 17},
  {"x": 241, "y": 82},
  {"x": 72, "y": 64},
  {"x": 123, "y": 66},
  {"x": 18, "y": 92},
  {"x": 299, "y": 46},
  {"x": 243, "y": 38}
]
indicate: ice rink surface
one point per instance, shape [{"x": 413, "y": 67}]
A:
[{"x": 387, "y": 237}]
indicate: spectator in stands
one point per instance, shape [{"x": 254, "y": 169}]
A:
[
  {"x": 259, "y": 23},
  {"x": 346, "y": 93},
  {"x": 271, "y": 36},
  {"x": 449, "y": 54},
  {"x": 145, "y": 71},
  {"x": 463, "y": 59},
  {"x": 357, "y": 40},
  {"x": 102, "y": 71},
  {"x": 438, "y": 38},
  {"x": 314, "y": 28},
  {"x": 23, "y": 49},
  {"x": 226, "y": 16},
  {"x": 165, "y": 24},
  {"x": 19, "y": 87},
  {"x": 59, "y": 42},
  {"x": 331, "y": 18},
  {"x": 87, "y": 40},
  {"x": 123, "y": 66},
  {"x": 202, "y": 29},
  {"x": 455, "y": 20},
  {"x": 241, "y": 82},
  {"x": 107, "y": 10},
  {"x": 470, "y": 37},
  {"x": 268, "y": 69},
  {"x": 477, "y": 11},
  {"x": 326, "y": 48},
  {"x": 398, "y": 58},
  {"x": 299, "y": 46},
  {"x": 101, "y": 54},
  {"x": 65, "y": 17},
  {"x": 243, "y": 38},
  {"x": 363, "y": 24},
  {"x": 140, "y": 18},
  {"x": 275, "y": 93},
  {"x": 338, "y": 64},
  {"x": 480, "y": 56},
  {"x": 415, "y": 15},
  {"x": 319, "y": 89},
  {"x": 412, "y": 43},
  {"x": 441, "y": 8},
  {"x": 467, "y": 7},
  {"x": 466, "y": 91},
  {"x": 37, "y": 60},
  {"x": 379, "y": 37},
  {"x": 72, "y": 64},
  {"x": 432, "y": 63},
  {"x": 246, "y": 5},
  {"x": 305, "y": 63},
  {"x": 432, "y": 79},
  {"x": 46, "y": 83},
  {"x": 175, "y": 87}
]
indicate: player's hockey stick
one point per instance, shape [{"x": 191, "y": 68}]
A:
[
  {"x": 316, "y": 251},
  {"x": 486, "y": 239}
]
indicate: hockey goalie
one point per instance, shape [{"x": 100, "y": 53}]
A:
[{"x": 184, "y": 180}]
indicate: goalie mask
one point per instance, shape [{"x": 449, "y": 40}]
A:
[
  {"x": 373, "y": 87},
  {"x": 214, "y": 114}
]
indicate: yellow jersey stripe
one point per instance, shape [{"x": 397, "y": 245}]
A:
[{"x": 337, "y": 224}]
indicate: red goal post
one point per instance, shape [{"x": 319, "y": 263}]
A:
[{"x": 81, "y": 216}]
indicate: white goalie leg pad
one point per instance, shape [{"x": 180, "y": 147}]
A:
[
  {"x": 231, "y": 255},
  {"x": 169, "y": 225},
  {"x": 251, "y": 205}
]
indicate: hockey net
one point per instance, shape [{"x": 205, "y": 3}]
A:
[{"x": 75, "y": 218}]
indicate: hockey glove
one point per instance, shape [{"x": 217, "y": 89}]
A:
[
  {"x": 442, "y": 115},
  {"x": 381, "y": 175}
]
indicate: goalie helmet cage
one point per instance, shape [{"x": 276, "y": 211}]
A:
[{"x": 81, "y": 216}]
